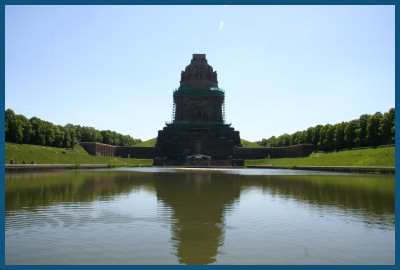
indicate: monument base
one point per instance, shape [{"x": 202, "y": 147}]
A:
[
  {"x": 200, "y": 145},
  {"x": 199, "y": 164}
]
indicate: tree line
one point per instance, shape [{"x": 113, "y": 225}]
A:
[
  {"x": 19, "y": 129},
  {"x": 368, "y": 130}
]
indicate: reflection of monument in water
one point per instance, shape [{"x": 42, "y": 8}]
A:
[
  {"x": 198, "y": 130},
  {"x": 199, "y": 203}
]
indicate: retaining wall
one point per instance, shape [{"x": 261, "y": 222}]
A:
[
  {"x": 149, "y": 152},
  {"x": 100, "y": 149},
  {"x": 300, "y": 150}
]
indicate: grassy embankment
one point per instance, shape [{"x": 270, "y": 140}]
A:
[
  {"x": 151, "y": 142},
  {"x": 383, "y": 156},
  {"x": 249, "y": 144},
  {"x": 53, "y": 155}
]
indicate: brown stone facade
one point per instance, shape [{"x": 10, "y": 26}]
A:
[
  {"x": 198, "y": 108},
  {"x": 294, "y": 151},
  {"x": 199, "y": 73},
  {"x": 177, "y": 141},
  {"x": 100, "y": 149}
]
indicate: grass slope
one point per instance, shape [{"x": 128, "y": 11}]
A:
[
  {"x": 363, "y": 157},
  {"x": 54, "y": 155},
  {"x": 151, "y": 142},
  {"x": 249, "y": 144}
]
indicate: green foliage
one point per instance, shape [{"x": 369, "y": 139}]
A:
[
  {"x": 19, "y": 129},
  {"x": 316, "y": 136},
  {"x": 54, "y": 155},
  {"x": 350, "y": 134},
  {"x": 339, "y": 136},
  {"x": 368, "y": 130},
  {"x": 374, "y": 132},
  {"x": 362, "y": 130},
  {"x": 383, "y": 156},
  {"x": 327, "y": 135},
  {"x": 388, "y": 126}
]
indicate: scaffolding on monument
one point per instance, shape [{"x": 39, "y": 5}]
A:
[
  {"x": 223, "y": 111},
  {"x": 173, "y": 109}
]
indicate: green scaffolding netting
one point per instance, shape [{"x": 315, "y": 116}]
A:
[
  {"x": 211, "y": 91},
  {"x": 198, "y": 123}
]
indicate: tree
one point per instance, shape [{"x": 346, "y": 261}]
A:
[
  {"x": 327, "y": 135},
  {"x": 350, "y": 135},
  {"x": 374, "y": 134},
  {"x": 59, "y": 136},
  {"x": 316, "y": 135},
  {"x": 362, "y": 130},
  {"x": 8, "y": 118},
  {"x": 298, "y": 137},
  {"x": 309, "y": 134},
  {"x": 283, "y": 140},
  {"x": 38, "y": 131},
  {"x": 387, "y": 124},
  {"x": 70, "y": 138},
  {"x": 107, "y": 137},
  {"x": 90, "y": 134},
  {"x": 340, "y": 142},
  {"x": 19, "y": 129},
  {"x": 50, "y": 133}
]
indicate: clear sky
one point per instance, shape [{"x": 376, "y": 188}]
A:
[{"x": 283, "y": 68}]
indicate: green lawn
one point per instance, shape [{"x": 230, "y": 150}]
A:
[
  {"x": 151, "y": 142},
  {"x": 53, "y": 155},
  {"x": 383, "y": 156},
  {"x": 246, "y": 143}
]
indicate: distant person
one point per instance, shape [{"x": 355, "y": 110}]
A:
[
  {"x": 12, "y": 161},
  {"x": 16, "y": 162},
  {"x": 32, "y": 162},
  {"x": 23, "y": 162}
]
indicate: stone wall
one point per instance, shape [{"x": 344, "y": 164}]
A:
[
  {"x": 136, "y": 151},
  {"x": 300, "y": 150},
  {"x": 100, "y": 149}
]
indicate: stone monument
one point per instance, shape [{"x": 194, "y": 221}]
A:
[{"x": 198, "y": 133}]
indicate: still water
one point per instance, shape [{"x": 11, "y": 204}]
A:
[{"x": 166, "y": 216}]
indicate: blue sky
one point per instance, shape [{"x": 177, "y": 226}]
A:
[{"x": 283, "y": 68}]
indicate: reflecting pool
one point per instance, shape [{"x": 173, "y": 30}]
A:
[{"x": 172, "y": 216}]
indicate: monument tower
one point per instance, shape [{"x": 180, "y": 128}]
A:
[{"x": 198, "y": 133}]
